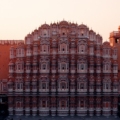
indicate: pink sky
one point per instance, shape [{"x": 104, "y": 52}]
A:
[{"x": 19, "y": 17}]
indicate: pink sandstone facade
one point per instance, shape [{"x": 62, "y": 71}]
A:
[{"x": 63, "y": 69}]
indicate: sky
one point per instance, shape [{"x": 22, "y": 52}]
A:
[{"x": 20, "y": 17}]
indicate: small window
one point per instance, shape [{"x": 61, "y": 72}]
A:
[
  {"x": 81, "y": 104},
  {"x": 116, "y": 40},
  {"x": 81, "y": 86},
  {"x": 44, "y": 66},
  {"x": 44, "y": 86},
  {"x": 63, "y": 85},
  {"x": 107, "y": 87},
  {"x": 82, "y": 67},
  {"x": 62, "y": 104}
]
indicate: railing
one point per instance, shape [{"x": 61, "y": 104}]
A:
[
  {"x": 63, "y": 71},
  {"x": 49, "y": 93}
]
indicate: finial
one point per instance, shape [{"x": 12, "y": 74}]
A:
[{"x": 119, "y": 28}]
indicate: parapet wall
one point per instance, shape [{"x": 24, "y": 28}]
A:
[{"x": 11, "y": 42}]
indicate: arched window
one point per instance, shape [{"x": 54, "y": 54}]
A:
[
  {"x": 43, "y": 103},
  {"x": 82, "y": 66},
  {"x": 18, "y": 104},
  {"x": 45, "y": 32},
  {"x": 43, "y": 85},
  {"x": 82, "y": 86},
  {"x": 19, "y": 85},
  {"x": 63, "y": 103},
  {"x": 45, "y": 48},
  {"x": 81, "y": 49},
  {"x": 44, "y": 66},
  {"x": 63, "y": 85},
  {"x": 63, "y": 48},
  {"x": 107, "y": 66},
  {"x": 81, "y": 103}
]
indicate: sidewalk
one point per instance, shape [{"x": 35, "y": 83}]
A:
[{"x": 63, "y": 118}]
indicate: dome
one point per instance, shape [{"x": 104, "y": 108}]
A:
[
  {"x": 119, "y": 28},
  {"x": 63, "y": 22},
  {"x": 45, "y": 26},
  {"x": 106, "y": 44}
]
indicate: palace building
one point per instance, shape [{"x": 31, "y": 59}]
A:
[
  {"x": 63, "y": 69},
  {"x": 115, "y": 41}
]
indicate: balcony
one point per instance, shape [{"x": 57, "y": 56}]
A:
[
  {"x": 72, "y": 52},
  {"x": 19, "y": 111},
  {"x": 63, "y": 52},
  {"x": 91, "y": 90},
  {"x": 12, "y": 56},
  {"x": 81, "y": 71},
  {"x": 114, "y": 57},
  {"x": 44, "y": 71},
  {"x": 53, "y": 90},
  {"x": 35, "y": 71},
  {"x": 10, "y": 89},
  {"x": 53, "y": 108},
  {"x": 19, "y": 71},
  {"x": 35, "y": 53},
  {"x": 106, "y": 109},
  {"x": 63, "y": 90},
  {"x": 28, "y": 71},
  {"x": 44, "y": 111},
  {"x": 72, "y": 90},
  {"x": 106, "y": 71},
  {"x": 106, "y": 56},
  {"x": 91, "y": 53},
  {"x": 72, "y": 71},
  {"x": 72, "y": 108},
  {"x": 91, "y": 71},
  {"x": 98, "y": 90},
  {"x": 98, "y": 109},
  {"x": 53, "y": 111},
  {"x": 63, "y": 111},
  {"x": 19, "y": 55},
  {"x": 106, "y": 90},
  {"x": 28, "y": 54},
  {"x": 53, "y": 71},
  {"x": 34, "y": 90},
  {"x": 34, "y": 111},
  {"x": 54, "y": 52},
  {"x": 10, "y": 109},
  {"x": 82, "y": 91},
  {"x": 63, "y": 71},
  {"x": 98, "y": 71},
  {"x": 18, "y": 90},
  {"x": 27, "y": 111},
  {"x": 27, "y": 90},
  {"x": 81, "y": 111},
  {"x": 44, "y": 53},
  {"x": 44, "y": 90},
  {"x": 115, "y": 90},
  {"x": 115, "y": 71},
  {"x": 91, "y": 109},
  {"x": 11, "y": 71}
]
